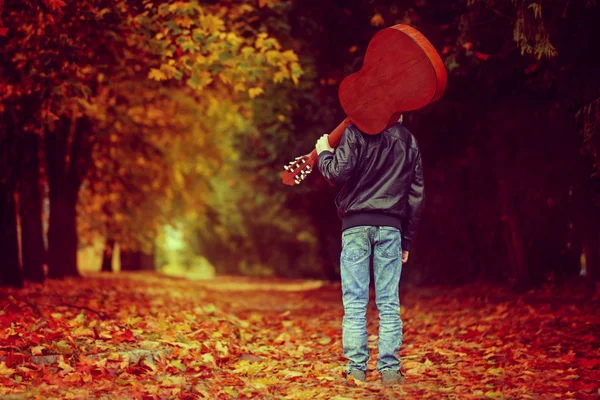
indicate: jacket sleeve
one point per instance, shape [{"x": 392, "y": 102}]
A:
[
  {"x": 416, "y": 197},
  {"x": 337, "y": 167}
]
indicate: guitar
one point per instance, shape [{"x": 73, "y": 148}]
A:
[{"x": 401, "y": 72}]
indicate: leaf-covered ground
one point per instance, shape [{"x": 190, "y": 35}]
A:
[{"x": 147, "y": 336}]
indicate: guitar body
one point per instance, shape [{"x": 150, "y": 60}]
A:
[{"x": 401, "y": 72}]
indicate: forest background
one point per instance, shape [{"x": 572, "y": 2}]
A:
[{"x": 152, "y": 135}]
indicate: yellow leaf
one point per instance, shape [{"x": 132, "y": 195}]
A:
[
  {"x": 157, "y": 75},
  {"x": 495, "y": 371},
  {"x": 81, "y": 331},
  {"x": 208, "y": 358},
  {"x": 211, "y": 23},
  {"x": 239, "y": 87},
  {"x": 289, "y": 55},
  {"x": 125, "y": 363},
  {"x": 280, "y": 76},
  {"x": 247, "y": 52},
  {"x": 37, "y": 350},
  {"x": 377, "y": 20},
  {"x": 5, "y": 371},
  {"x": 101, "y": 363},
  {"x": 253, "y": 92},
  {"x": 292, "y": 374},
  {"x": 494, "y": 395},
  {"x": 247, "y": 368},
  {"x": 185, "y": 22},
  {"x": 64, "y": 366},
  {"x": 272, "y": 57}
]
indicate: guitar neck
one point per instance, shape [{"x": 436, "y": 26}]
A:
[
  {"x": 334, "y": 138},
  {"x": 297, "y": 170}
]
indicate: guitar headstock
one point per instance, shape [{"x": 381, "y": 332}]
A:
[{"x": 297, "y": 170}]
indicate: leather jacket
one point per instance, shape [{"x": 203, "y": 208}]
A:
[{"x": 381, "y": 179}]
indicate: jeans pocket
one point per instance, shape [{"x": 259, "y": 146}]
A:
[
  {"x": 355, "y": 244},
  {"x": 389, "y": 243}
]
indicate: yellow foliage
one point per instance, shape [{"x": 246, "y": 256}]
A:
[
  {"x": 280, "y": 76},
  {"x": 211, "y": 23},
  {"x": 157, "y": 75},
  {"x": 253, "y": 92},
  {"x": 377, "y": 20}
]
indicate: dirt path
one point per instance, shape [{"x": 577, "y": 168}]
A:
[{"x": 151, "y": 337}]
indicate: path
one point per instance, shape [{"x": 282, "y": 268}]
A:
[{"x": 153, "y": 337}]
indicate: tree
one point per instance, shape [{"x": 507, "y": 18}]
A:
[
  {"x": 184, "y": 43},
  {"x": 10, "y": 273}
]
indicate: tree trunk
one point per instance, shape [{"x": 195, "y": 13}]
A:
[
  {"x": 65, "y": 180},
  {"x": 147, "y": 261},
  {"x": 130, "y": 260},
  {"x": 32, "y": 240},
  {"x": 62, "y": 237},
  {"x": 107, "y": 255},
  {"x": 10, "y": 270},
  {"x": 591, "y": 249},
  {"x": 135, "y": 260},
  {"x": 591, "y": 239},
  {"x": 513, "y": 238}
]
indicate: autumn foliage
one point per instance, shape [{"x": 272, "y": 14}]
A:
[
  {"x": 160, "y": 128},
  {"x": 148, "y": 337}
]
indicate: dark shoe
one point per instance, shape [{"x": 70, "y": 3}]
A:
[
  {"x": 357, "y": 374},
  {"x": 389, "y": 377}
]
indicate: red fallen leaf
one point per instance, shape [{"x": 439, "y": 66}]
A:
[
  {"x": 589, "y": 363},
  {"x": 14, "y": 359},
  {"x": 3, "y": 31},
  {"x": 55, "y": 4},
  {"x": 481, "y": 56},
  {"x": 590, "y": 386},
  {"x": 127, "y": 335},
  {"x": 570, "y": 357}
]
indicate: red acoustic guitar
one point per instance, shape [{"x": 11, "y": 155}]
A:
[{"x": 402, "y": 71}]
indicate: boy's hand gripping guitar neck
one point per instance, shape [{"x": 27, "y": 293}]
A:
[{"x": 402, "y": 71}]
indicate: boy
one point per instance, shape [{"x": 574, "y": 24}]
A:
[{"x": 380, "y": 204}]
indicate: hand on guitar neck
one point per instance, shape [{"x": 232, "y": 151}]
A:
[
  {"x": 297, "y": 170},
  {"x": 323, "y": 145}
]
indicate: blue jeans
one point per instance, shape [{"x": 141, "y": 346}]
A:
[{"x": 358, "y": 244}]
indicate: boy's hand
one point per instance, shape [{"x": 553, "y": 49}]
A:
[
  {"x": 404, "y": 256},
  {"x": 323, "y": 144}
]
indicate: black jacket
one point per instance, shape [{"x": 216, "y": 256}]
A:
[{"x": 381, "y": 178}]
